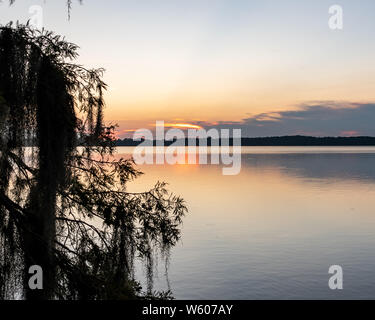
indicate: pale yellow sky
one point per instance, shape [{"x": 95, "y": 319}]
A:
[{"x": 216, "y": 60}]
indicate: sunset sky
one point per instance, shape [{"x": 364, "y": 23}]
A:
[{"x": 268, "y": 67}]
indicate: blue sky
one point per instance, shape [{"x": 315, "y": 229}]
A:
[{"x": 219, "y": 61}]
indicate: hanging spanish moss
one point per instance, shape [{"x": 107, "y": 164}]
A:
[
  {"x": 69, "y": 4},
  {"x": 64, "y": 207}
]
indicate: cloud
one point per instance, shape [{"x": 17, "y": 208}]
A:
[{"x": 317, "y": 119}]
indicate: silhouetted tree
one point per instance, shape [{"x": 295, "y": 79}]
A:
[{"x": 64, "y": 207}]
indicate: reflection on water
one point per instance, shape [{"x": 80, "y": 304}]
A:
[{"x": 273, "y": 231}]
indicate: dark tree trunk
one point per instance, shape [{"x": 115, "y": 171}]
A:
[
  {"x": 56, "y": 137},
  {"x": 39, "y": 241}
]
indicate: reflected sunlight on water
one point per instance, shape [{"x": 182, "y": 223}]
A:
[{"x": 274, "y": 230}]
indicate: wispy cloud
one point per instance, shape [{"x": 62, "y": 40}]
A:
[
  {"x": 327, "y": 118},
  {"x": 318, "y": 119}
]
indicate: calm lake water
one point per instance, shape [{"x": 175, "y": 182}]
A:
[{"x": 273, "y": 231}]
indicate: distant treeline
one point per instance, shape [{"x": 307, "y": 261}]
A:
[{"x": 278, "y": 141}]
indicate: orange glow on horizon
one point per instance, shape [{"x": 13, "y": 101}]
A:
[
  {"x": 182, "y": 126},
  {"x": 120, "y": 133}
]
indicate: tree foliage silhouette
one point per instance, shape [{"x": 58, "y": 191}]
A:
[{"x": 63, "y": 207}]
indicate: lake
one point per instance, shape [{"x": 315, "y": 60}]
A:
[{"x": 273, "y": 231}]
